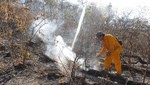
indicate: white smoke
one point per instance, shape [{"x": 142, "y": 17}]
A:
[
  {"x": 44, "y": 29},
  {"x": 61, "y": 53},
  {"x": 89, "y": 63},
  {"x": 56, "y": 48}
]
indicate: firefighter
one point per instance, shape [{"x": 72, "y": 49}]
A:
[{"x": 112, "y": 49}]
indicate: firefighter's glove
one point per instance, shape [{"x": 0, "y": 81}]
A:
[
  {"x": 98, "y": 55},
  {"x": 108, "y": 53}
]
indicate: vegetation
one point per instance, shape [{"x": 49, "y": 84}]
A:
[
  {"x": 18, "y": 44},
  {"x": 15, "y": 21}
]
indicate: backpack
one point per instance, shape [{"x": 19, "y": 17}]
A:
[{"x": 120, "y": 42}]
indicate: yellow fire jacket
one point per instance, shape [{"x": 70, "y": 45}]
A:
[{"x": 111, "y": 44}]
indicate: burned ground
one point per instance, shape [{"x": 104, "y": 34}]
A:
[{"x": 38, "y": 69}]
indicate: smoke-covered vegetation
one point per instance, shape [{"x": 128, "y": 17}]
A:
[{"x": 30, "y": 53}]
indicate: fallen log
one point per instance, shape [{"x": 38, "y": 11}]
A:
[
  {"x": 140, "y": 70},
  {"x": 112, "y": 77},
  {"x": 135, "y": 69},
  {"x": 136, "y": 57}
]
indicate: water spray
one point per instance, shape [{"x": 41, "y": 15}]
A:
[{"x": 79, "y": 26}]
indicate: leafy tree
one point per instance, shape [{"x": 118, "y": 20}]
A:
[{"x": 14, "y": 23}]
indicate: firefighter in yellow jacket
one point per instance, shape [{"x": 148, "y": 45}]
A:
[{"x": 112, "y": 48}]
